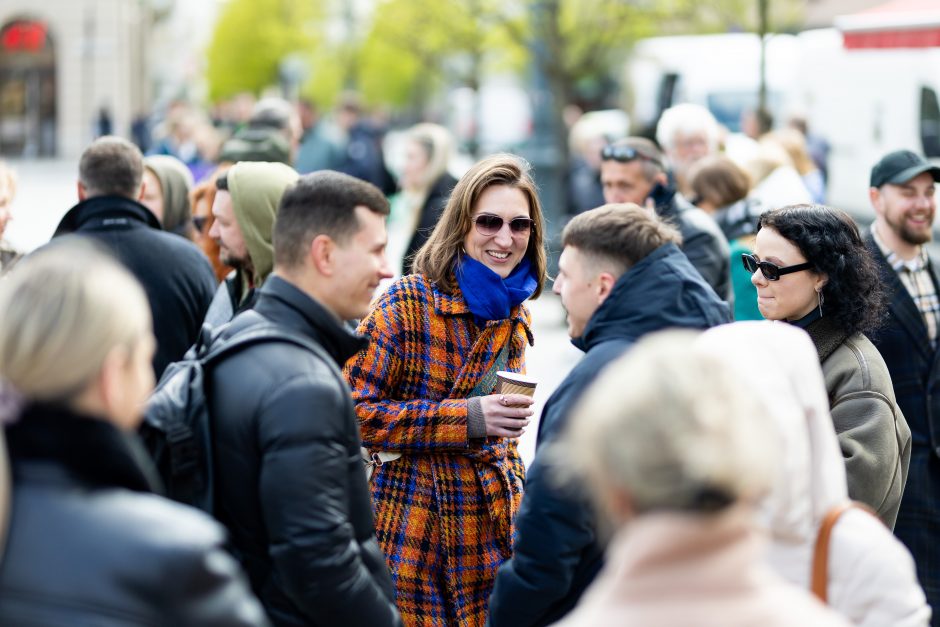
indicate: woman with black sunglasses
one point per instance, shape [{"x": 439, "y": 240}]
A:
[
  {"x": 812, "y": 269},
  {"x": 423, "y": 388}
]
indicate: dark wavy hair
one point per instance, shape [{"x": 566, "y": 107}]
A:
[{"x": 829, "y": 239}]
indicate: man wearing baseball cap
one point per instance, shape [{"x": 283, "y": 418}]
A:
[{"x": 902, "y": 194}]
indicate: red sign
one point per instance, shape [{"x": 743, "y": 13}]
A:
[
  {"x": 23, "y": 37},
  {"x": 899, "y": 38}
]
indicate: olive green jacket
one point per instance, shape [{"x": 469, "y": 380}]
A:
[{"x": 873, "y": 434}]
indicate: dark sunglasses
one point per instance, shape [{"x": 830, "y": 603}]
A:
[
  {"x": 488, "y": 224},
  {"x": 771, "y": 271},
  {"x": 626, "y": 154}
]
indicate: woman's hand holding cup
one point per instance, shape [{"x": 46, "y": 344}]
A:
[{"x": 506, "y": 415}]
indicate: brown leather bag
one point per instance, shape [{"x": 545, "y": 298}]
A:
[{"x": 819, "y": 582}]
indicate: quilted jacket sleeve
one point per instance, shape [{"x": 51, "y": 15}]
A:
[
  {"x": 207, "y": 588},
  {"x": 311, "y": 539}
]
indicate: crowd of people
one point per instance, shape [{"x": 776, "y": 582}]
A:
[{"x": 359, "y": 459}]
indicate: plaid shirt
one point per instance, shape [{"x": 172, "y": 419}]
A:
[{"x": 915, "y": 275}]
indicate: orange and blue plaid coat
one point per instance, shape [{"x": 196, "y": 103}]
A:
[{"x": 445, "y": 509}]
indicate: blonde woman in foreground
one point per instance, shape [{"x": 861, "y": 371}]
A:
[
  {"x": 88, "y": 541},
  {"x": 676, "y": 461}
]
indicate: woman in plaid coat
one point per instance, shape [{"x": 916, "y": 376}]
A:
[{"x": 423, "y": 388}]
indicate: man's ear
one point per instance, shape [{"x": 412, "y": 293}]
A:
[
  {"x": 82, "y": 192},
  {"x": 874, "y": 196},
  {"x": 143, "y": 188},
  {"x": 605, "y": 285},
  {"x": 322, "y": 253}
]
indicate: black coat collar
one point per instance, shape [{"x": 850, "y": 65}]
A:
[
  {"x": 282, "y": 302},
  {"x": 827, "y": 336},
  {"x": 106, "y": 213},
  {"x": 900, "y": 303},
  {"x": 91, "y": 451}
]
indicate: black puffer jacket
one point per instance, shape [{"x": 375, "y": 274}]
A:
[
  {"x": 702, "y": 241},
  {"x": 291, "y": 486},
  {"x": 176, "y": 276},
  {"x": 89, "y": 545}
]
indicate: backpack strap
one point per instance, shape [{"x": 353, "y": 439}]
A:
[
  {"x": 264, "y": 333},
  {"x": 819, "y": 581}
]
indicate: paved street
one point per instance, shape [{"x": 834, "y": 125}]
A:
[{"x": 47, "y": 189}]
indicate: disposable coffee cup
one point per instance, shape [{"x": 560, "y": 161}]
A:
[{"x": 514, "y": 383}]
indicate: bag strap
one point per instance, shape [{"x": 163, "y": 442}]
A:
[
  {"x": 819, "y": 582},
  {"x": 265, "y": 333},
  {"x": 487, "y": 382}
]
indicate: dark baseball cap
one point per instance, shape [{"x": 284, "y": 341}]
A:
[{"x": 901, "y": 166}]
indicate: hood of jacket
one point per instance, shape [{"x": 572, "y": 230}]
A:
[
  {"x": 106, "y": 212},
  {"x": 256, "y": 189},
  {"x": 175, "y": 182},
  {"x": 662, "y": 291},
  {"x": 780, "y": 360}
]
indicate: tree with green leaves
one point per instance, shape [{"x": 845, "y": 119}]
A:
[{"x": 252, "y": 37}]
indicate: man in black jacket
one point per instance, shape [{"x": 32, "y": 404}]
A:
[
  {"x": 632, "y": 170},
  {"x": 903, "y": 195},
  {"x": 290, "y": 484},
  {"x": 620, "y": 276},
  {"x": 176, "y": 276}
]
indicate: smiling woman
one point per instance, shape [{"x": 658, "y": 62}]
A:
[
  {"x": 811, "y": 269},
  {"x": 423, "y": 388}
]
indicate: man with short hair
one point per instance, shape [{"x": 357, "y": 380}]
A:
[
  {"x": 902, "y": 192},
  {"x": 176, "y": 276},
  {"x": 620, "y": 276},
  {"x": 290, "y": 483},
  {"x": 632, "y": 170},
  {"x": 245, "y": 205}
]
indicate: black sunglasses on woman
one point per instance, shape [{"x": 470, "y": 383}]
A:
[{"x": 771, "y": 271}]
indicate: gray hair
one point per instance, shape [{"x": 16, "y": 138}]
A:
[
  {"x": 687, "y": 119},
  {"x": 65, "y": 307},
  {"x": 671, "y": 428}
]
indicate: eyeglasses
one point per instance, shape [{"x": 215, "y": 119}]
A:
[
  {"x": 771, "y": 271},
  {"x": 488, "y": 224},
  {"x": 626, "y": 154}
]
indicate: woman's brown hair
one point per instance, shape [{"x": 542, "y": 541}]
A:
[
  {"x": 436, "y": 259},
  {"x": 201, "y": 197}
]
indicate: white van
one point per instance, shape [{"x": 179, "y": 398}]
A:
[
  {"x": 720, "y": 72},
  {"x": 865, "y": 103}
]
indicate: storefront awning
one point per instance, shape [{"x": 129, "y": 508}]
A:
[{"x": 894, "y": 24}]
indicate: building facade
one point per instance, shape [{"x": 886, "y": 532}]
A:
[{"x": 69, "y": 70}]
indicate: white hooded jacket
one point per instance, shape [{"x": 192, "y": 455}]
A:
[{"x": 872, "y": 580}]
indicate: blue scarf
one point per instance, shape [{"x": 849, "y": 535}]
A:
[{"x": 490, "y": 297}]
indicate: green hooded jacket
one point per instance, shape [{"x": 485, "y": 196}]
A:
[{"x": 256, "y": 189}]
